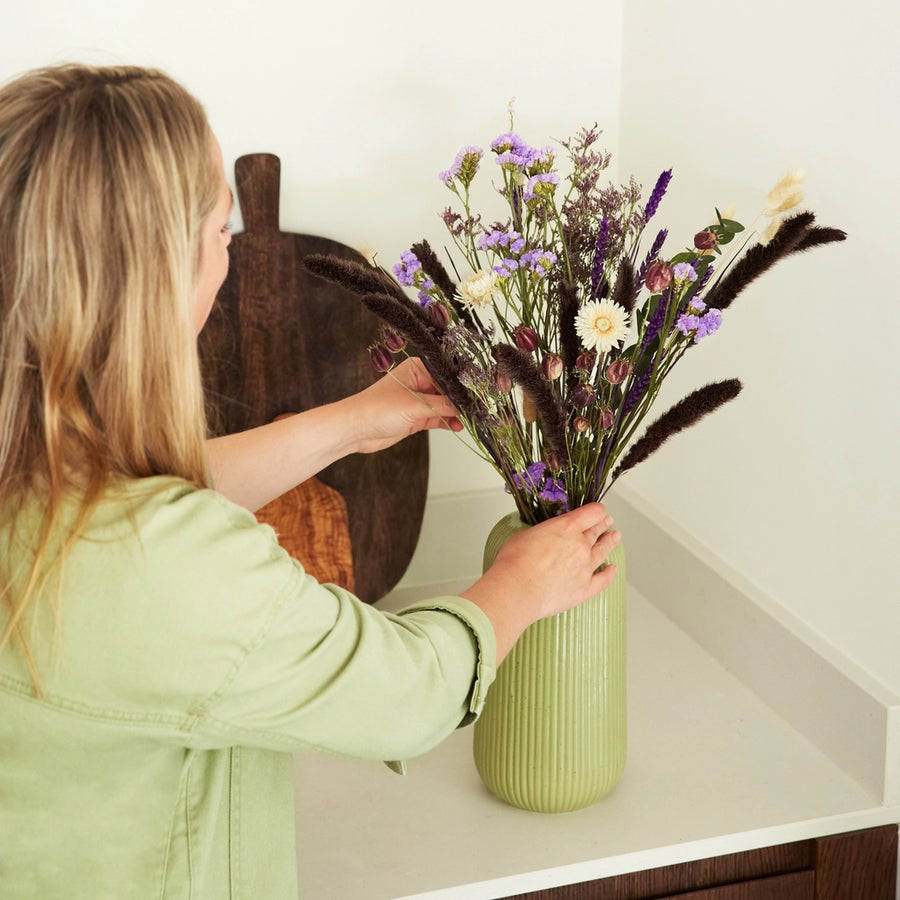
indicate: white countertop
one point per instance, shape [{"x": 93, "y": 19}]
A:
[{"x": 711, "y": 770}]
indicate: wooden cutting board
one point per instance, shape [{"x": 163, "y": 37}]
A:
[{"x": 280, "y": 340}]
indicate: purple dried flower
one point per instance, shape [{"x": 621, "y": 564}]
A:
[
  {"x": 552, "y": 366},
  {"x": 393, "y": 341},
  {"x": 653, "y": 254},
  {"x": 541, "y": 186},
  {"x": 618, "y": 370},
  {"x": 525, "y": 338},
  {"x": 531, "y": 478},
  {"x": 502, "y": 242},
  {"x": 638, "y": 389},
  {"x": 405, "y": 270},
  {"x": 684, "y": 272},
  {"x": 553, "y": 491},
  {"x": 585, "y": 361},
  {"x": 705, "y": 240},
  {"x": 382, "y": 360},
  {"x": 583, "y": 396},
  {"x": 655, "y": 323},
  {"x": 599, "y": 258},
  {"x": 659, "y": 190},
  {"x": 464, "y": 167},
  {"x": 659, "y": 276}
]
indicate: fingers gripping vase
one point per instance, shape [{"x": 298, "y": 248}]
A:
[{"x": 552, "y": 735}]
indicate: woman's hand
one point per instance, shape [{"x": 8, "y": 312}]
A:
[
  {"x": 253, "y": 467},
  {"x": 544, "y": 570},
  {"x": 402, "y": 402}
]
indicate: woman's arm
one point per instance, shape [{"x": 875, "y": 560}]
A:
[{"x": 256, "y": 466}]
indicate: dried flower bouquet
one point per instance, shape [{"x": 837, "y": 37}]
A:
[{"x": 556, "y": 342}]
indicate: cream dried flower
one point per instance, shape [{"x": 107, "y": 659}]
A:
[
  {"x": 480, "y": 291},
  {"x": 601, "y": 325},
  {"x": 786, "y": 194},
  {"x": 766, "y": 235},
  {"x": 370, "y": 254}
]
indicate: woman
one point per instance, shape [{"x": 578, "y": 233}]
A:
[{"x": 160, "y": 655}]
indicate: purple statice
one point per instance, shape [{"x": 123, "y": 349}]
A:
[
  {"x": 537, "y": 480},
  {"x": 505, "y": 267},
  {"x": 464, "y": 167},
  {"x": 540, "y": 186},
  {"x": 710, "y": 323},
  {"x": 699, "y": 326},
  {"x": 684, "y": 272},
  {"x": 553, "y": 491},
  {"x": 405, "y": 270},
  {"x": 539, "y": 262},
  {"x": 512, "y": 152},
  {"x": 502, "y": 241},
  {"x": 687, "y": 324},
  {"x": 599, "y": 258},
  {"x": 656, "y": 195},
  {"x": 531, "y": 478}
]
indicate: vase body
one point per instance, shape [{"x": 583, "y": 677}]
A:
[{"x": 552, "y": 735}]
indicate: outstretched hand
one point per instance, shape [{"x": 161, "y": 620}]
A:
[
  {"x": 401, "y": 403},
  {"x": 545, "y": 570}
]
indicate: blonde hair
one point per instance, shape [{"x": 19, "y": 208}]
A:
[{"x": 106, "y": 177}]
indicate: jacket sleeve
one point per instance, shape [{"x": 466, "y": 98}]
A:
[{"x": 321, "y": 669}]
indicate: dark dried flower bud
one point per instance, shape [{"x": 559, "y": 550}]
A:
[
  {"x": 583, "y": 396},
  {"x": 439, "y": 314},
  {"x": 705, "y": 240},
  {"x": 607, "y": 419},
  {"x": 502, "y": 381},
  {"x": 381, "y": 358},
  {"x": 618, "y": 370},
  {"x": 552, "y": 462},
  {"x": 585, "y": 361},
  {"x": 659, "y": 276},
  {"x": 526, "y": 338},
  {"x": 552, "y": 366},
  {"x": 393, "y": 341},
  {"x": 580, "y": 424}
]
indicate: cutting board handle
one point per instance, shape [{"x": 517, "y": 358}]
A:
[{"x": 258, "y": 182}]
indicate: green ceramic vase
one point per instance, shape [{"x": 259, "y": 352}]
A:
[{"x": 552, "y": 735}]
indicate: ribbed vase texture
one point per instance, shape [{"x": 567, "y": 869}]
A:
[{"x": 552, "y": 736}]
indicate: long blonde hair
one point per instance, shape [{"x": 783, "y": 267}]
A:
[{"x": 106, "y": 177}]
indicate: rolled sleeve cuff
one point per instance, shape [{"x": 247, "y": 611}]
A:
[{"x": 486, "y": 654}]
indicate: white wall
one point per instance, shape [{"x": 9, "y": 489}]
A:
[{"x": 796, "y": 484}]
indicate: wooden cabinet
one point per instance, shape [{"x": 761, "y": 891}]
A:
[{"x": 859, "y": 865}]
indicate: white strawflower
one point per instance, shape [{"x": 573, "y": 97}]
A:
[
  {"x": 601, "y": 325},
  {"x": 480, "y": 291}
]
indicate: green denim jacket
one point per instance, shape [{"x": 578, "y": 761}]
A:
[{"x": 193, "y": 655}]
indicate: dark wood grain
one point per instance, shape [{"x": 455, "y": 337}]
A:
[
  {"x": 857, "y": 865},
  {"x": 666, "y": 881},
  {"x": 860, "y": 865},
  {"x": 280, "y": 340}
]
